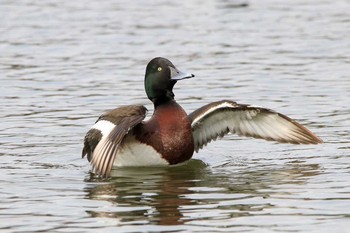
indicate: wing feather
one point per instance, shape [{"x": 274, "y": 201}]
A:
[
  {"x": 219, "y": 118},
  {"x": 124, "y": 119}
]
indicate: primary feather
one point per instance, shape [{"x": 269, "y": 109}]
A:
[
  {"x": 114, "y": 126},
  {"x": 222, "y": 117}
]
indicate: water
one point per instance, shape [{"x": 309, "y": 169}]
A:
[{"x": 63, "y": 63}]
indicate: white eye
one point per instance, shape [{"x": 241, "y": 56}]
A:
[{"x": 159, "y": 68}]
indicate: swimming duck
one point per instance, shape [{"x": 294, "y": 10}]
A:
[{"x": 121, "y": 137}]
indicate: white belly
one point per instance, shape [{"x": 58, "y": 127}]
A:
[{"x": 131, "y": 153}]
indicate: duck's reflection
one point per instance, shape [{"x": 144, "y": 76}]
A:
[{"x": 172, "y": 196}]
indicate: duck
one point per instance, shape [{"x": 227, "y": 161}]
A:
[{"x": 123, "y": 138}]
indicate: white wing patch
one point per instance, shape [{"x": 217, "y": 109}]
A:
[
  {"x": 104, "y": 126},
  {"x": 100, "y": 154},
  {"x": 129, "y": 153},
  {"x": 113, "y": 127},
  {"x": 210, "y": 110},
  {"x": 219, "y": 118}
]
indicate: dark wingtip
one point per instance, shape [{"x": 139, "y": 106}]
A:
[
  {"x": 309, "y": 137},
  {"x": 83, "y": 153},
  {"x": 317, "y": 140},
  {"x": 312, "y": 138},
  {"x": 86, "y": 152}
]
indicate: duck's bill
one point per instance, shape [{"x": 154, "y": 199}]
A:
[{"x": 176, "y": 75}]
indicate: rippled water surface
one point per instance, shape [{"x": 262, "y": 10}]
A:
[{"x": 63, "y": 63}]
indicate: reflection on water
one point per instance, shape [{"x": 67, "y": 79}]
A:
[
  {"x": 178, "y": 195},
  {"x": 158, "y": 191},
  {"x": 63, "y": 63}
]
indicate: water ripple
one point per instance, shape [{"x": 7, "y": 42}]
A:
[{"x": 63, "y": 63}]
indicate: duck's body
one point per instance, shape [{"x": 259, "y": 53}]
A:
[
  {"x": 165, "y": 139},
  {"x": 121, "y": 137},
  {"x": 168, "y": 132}
]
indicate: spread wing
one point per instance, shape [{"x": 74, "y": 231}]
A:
[
  {"x": 219, "y": 118},
  {"x": 109, "y": 131}
]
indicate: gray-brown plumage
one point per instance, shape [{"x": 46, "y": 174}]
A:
[{"x": 102, "y": 149}]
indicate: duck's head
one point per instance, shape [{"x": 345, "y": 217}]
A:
[{"x": 161, "y": 76}]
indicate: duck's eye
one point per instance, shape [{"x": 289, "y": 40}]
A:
[{"x": 159, "y": 68}]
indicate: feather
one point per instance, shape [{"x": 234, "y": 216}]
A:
[
  {"x": 218, "y": 118},
  {"x": 113, "y": 126}
]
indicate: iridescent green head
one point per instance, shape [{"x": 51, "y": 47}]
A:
[{"x": 161, "y": 76}]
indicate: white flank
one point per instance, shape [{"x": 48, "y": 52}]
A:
[
  {"x": 133, "y": 153},
  {"x": 104, "y": 126}
]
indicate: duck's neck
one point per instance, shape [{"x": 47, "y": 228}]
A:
[
  {"x": 166, "y": 98},
  {"x": 169, "y": 99}
]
